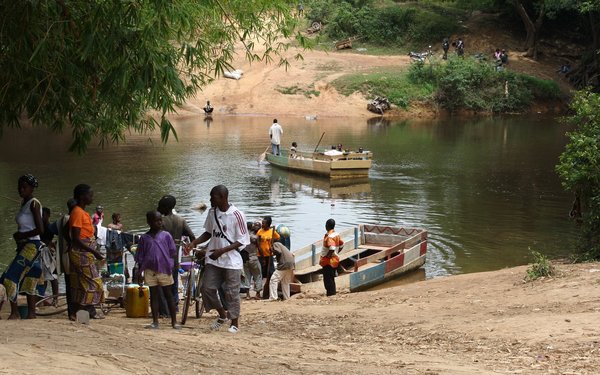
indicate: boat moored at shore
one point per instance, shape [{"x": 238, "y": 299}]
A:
[{"x": 372, "y": 254}]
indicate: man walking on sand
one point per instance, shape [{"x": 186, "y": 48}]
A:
[
  {"x": 225, "y": 227},
  {"x": 275, "y": 133}
]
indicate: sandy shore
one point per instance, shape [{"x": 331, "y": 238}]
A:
[{"x": 481, "y": 323}]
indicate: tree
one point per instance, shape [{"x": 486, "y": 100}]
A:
[
  {"x": 102, "y": 68},
  {"x": 532, "y": 26},
  {"x": 579, "y": 169},
  {"x": 587, "y": 74}
]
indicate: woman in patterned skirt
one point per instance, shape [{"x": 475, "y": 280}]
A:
[
  {"x": 86, "y": 282},
  {"x": 24, "y": 272}
]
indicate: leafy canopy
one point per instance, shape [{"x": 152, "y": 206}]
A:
[
  {"x": 579, "y": 169},
  {"x": 102, "y": 68}
]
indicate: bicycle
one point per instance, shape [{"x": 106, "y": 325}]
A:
[{"x": 192, "y": 294}]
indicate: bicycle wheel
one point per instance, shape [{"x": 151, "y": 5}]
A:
[
  {"x": 51, "y": 305},
  {"x": 198, "y": 295},
  {"x": 187, "y": 299}
]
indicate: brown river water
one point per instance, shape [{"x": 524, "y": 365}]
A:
[{"x": 485, "y": 189}]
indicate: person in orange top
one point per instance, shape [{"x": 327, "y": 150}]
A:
[
  {"x": 86, "y": 283},
  {"x": 332, "y": 245},
  {"x": 266, "y": 235}
]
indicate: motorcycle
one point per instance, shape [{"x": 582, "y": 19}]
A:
[{"x": 420, "y": 56}]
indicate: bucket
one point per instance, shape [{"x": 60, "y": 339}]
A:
[
  {"x": 23, "y": 311},
  {"x": 137, "y": 301},
  {"x": 115, "y": 268}
]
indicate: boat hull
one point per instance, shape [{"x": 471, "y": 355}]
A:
[
  {"x": 378, "y": 254},
  {"x": 337, "y": 168}
]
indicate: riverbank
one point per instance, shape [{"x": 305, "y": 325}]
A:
[
  {"x": 479, "y": 323},
  {"x": 305, "y": 88}
]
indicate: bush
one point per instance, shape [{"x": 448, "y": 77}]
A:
[
  {"x": 468, "y": 83},
  {"x": 394, "y": 25},
  {"x": 541, "y": 267},
  {"x": 579, "y": 170}
]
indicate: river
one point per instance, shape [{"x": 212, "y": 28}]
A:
[{"x": 485, "y": 189}]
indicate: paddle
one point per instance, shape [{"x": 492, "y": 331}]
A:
[
  {"x": 262, "y": 156},
  {"x": 10, "y": 199},
  {"x": 320, "y": 139}
]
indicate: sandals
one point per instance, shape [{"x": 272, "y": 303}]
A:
[
  {"x": 217, "y": 324},
  {"x": 233, "y": 329}
]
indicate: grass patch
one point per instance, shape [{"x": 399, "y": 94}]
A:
[
  {"x": 541, "y": 267},
  {"x": 289, "y": 90},
  {"x": 309, "y": 92},
  {"x": 459, "y": 83},
  {"x": 394, "y": 84},
  {"x": 328, "y": 66}
]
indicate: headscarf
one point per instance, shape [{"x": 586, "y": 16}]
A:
[{"x": 29, "y": 179}]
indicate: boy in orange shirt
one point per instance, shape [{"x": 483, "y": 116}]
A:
[{"x": 266, "y": 235}]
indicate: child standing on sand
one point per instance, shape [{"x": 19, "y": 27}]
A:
[{"x": 155, "y": 256}]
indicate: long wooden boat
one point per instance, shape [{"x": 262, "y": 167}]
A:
[
  {"x": 372, "y": 254},
  {"x": 346, "y": 165}
]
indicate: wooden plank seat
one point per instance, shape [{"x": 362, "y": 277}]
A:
[{"x": 343, "y": 256}]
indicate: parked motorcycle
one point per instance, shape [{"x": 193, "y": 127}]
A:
[{"x": 420, "y": 56}]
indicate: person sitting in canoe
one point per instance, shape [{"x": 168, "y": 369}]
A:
[
  {"x": 293, "y": 150},
  {"x": 208, "y": 109}
]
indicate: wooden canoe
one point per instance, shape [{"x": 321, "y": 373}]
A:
[
  {"x": 372, "y": 254},
  {"x": 347, "y": 165}
]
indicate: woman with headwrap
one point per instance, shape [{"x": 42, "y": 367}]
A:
[
  {"x": 24, "y": 272},
  {"x": 86, "y": 282}
]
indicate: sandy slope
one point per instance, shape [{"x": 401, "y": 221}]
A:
[
  {"x": 257, "y": 92},
  {"x": 481, "y": 323}
]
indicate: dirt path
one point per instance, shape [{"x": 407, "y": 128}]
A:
[{"x": 481, "y": 323}]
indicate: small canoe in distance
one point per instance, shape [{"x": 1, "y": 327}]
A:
[
  {"x": 372, "y": 254},
  {"x": 344, "y": 165}
]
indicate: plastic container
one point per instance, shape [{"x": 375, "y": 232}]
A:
[
  {"x": 23, "y": 311},
  {"x": 115, "y": 268},
  {"x": 137, "y": 301}
]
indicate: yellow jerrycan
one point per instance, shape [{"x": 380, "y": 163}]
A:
[{"x": 137, "y": 301}]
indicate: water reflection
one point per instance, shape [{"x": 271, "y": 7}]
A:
[
  {"x": 321, "y": 187},
  {"x": 485, "y": 188}
]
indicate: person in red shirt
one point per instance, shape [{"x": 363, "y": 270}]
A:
[{"x": 98, "y": 216}]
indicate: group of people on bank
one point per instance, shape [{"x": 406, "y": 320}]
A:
[{"x": 233, "y": 246}]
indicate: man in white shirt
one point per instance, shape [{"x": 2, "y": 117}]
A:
[
  {"x": 275, "y": 133},
  {"x": 225, "y": 227}
]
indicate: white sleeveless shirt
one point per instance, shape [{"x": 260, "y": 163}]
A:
[{"x": 25, "y": 219}]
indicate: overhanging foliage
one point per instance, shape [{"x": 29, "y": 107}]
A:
[{"x": 101, "y": 68}]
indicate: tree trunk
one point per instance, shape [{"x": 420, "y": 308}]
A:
[
  {"x": 533, "y": 29},
  {"x": 593, "y": 16}
]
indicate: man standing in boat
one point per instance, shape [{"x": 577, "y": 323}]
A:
[
  {"x": 332, "y": 245},
  {"x": 275, "y": 133}
]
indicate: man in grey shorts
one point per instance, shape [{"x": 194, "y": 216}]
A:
[{"x": 225, "y": 227}]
